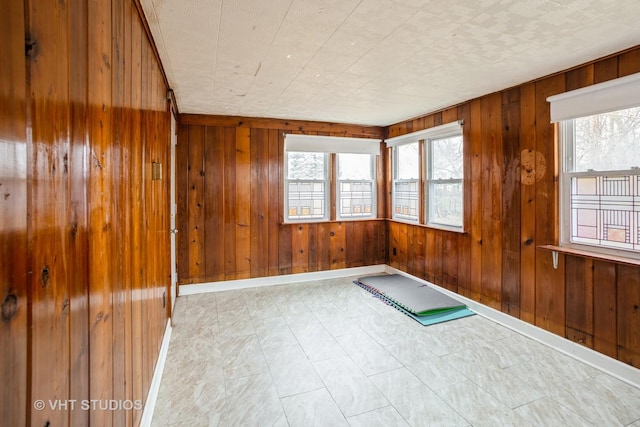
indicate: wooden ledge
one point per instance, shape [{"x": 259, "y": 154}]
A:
[{"x": 593, "y": 255}]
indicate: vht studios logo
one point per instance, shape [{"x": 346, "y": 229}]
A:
[{"x": 88, "y": 405}]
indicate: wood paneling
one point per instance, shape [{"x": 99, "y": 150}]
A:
[
  {"x": 14, "y": 397},
  {"x": 239, "y": 217},
  {"x": 82, "y": 117},
  {"x": 511, "y": 209}
]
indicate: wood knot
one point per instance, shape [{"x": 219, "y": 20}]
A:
[
  {"x": 332, "y": 234},
  {"x": 44, "y": 276},
  {"x": 9, "y": 307}
]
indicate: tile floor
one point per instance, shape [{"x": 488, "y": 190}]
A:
[{"x": 327, "y": 353}]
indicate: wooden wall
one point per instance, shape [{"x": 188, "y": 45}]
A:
[
  {"x": 83, "y": 229},
  {"x": 231, "y": 185},
  {"x": 511, "y": 209}
]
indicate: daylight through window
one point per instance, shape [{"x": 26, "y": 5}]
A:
[{"x": 601, "y": 180}]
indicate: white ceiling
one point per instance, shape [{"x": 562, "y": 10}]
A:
[{"x": 372, "y": 62}]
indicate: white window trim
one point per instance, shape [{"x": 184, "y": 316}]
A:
[
  {"x": 326, "y": 181},
  {"x": 374, "y": 195},
  {"x": 394, "y": 181},
  {"x": 612, "y": 95},
  {"x": 566, "y": 151},
  {"x": 428, "y": 148},
  {"x": 329, "y": 145},
  {"x": 433, "y": 133}
]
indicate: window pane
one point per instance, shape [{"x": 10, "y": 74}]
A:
[
  {"x": 407, "y": 161},
  {"x": 446, "y": 203},
  {"x": 309, "y": 166},
  {"x": 446, "y": 161},
  {"x": 354, "y": 166},
  {"x": 608, "y": 141},
  {"x": 306, "y": 200},
  {"x": 406, "y": 200},
  {"x": 356, "y": 199}
]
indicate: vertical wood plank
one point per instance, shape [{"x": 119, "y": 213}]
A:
[
  {"x": 492, "y": 158},
  {"x": 230, "y": 213},
  {"x": 579, "y": 300},
  {"x": 473, "y": 134},
  {"x": 605, "y": 319},
  {"x": 259, "y": 203},
  {"x": 243, "y": 203},
  {"x": 100, "y": 195},
  {"x": 337, "y": 245},
  {"x": 119, "y": 141},
  {"x": 550, "y": 292},
  {"x": 354, "y": 241},
  {"x": 420, "y": 252},
  {"x": 450, "y": 261},
  {"x": 323, "y": 249},
  {"x": 136, "y": 194},
  {"x": 527, "y": 202},
  {"x": 273, "y": 200},
  {"x": 511, "y": 203},
  {"x": 14, "y": 399},
  {"x": 628, "y": 284},
  {"x": 299, "y": 248},
  {"x": 49, "y": 221},
  {"x": 579, "y": 77},
  {"x": 629, "y": 63},
  {"x": 182, "y": 200},
  {"x": 214, "y": 201},
  {"x": 196, "y": 208},
  {"x": 605, "y": 70}
]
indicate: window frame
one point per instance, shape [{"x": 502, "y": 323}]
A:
[
  {"x": 374, "y": 190},
  {"x": 327, "y": 191},
  {"x": 395, "y": 180},
  {"x": 330, "y": 147},
  {"x": 428, "y": 159},
  {"x": 566, "y": 151}
]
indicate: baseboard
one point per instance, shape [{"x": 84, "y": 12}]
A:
[
  {"x": 154, "y": 388},
  {"x": 230, "y": 285},
  {"x": 611, "y": 366}
]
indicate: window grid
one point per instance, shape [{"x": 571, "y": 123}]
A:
[
  {"x": 406, "y": 199},
  {"x": 306, "y": 199},
  {"x": 356, "y": 198},
  {"x": 605, "y": 210}
]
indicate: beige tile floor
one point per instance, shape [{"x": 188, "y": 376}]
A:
[{"x": 327, "y": 353}]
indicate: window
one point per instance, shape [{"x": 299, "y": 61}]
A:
[
  {"x": 444, "y": 181},
  {"x": 599, "y": 134},
  {"x": 313, "y": 163},
  {"x": 406, "y": 174},
  {"x": 356, "y": 185},
  {"x": 307, "y": 182},
  {"x": 601, "y": 179},
  {"x": 441, "y": 165}
]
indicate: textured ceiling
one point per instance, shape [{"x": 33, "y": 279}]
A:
[{"x": 372, "y": 62}]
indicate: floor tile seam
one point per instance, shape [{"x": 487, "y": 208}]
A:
[{"x": 461, "y": 415}]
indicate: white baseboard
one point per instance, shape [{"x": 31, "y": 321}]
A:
[
  {"x": 154, "y": 388},
  {"x": 611, "y": 366},
  {"x": 230, "y": 285}
]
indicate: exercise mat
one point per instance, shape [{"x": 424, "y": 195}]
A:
[{"x": 411, "y": 295}]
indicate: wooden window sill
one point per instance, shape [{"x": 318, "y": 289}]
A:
[{"x": 593, "y": 255}]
